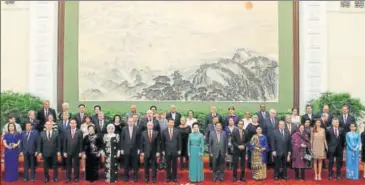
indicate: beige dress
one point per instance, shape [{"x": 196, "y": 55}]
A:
[{"x": 319, "y": 144}]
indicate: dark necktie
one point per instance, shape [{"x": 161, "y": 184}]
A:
[
  {"x": 28, "y": 135},
  {"x": 345, "y": 119},
  {"x": 49, "y": 135},
  {"x": 170, "y": 131},
  {"x": 73, "y": 133},
  {"x": 336, "y": 132},
  {"x": 273, "y": 122},
  {"x": 241, "y": 134},
  {"x": 150, "y": 135},
  {"x": 282, "y": 132}
]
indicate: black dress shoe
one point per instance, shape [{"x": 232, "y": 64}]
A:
[
  {"x": 221, "y": 179},
  {"x": 55, "y": 180},
  {"x": 175, "y": 180},
  {"x": 25, "y": 180},
  {"x": 146, "y": 180},
  {"x": 154, "y": 180},
  {"x": 338, "y": 178},
  {"x": 329, "y": 178},
  {"x": 234, "y": 179},
  {"x": 242, "y": 179},
  {"x": 32, "y": 179},
  {"x": 135, "y": 179},
  {"x": 68, "y": 180},
  {"x": 76, "y": 180},
  {"x": 168, "y": 180},
  {"x": 276, "y": 178},
  {"x": 285, "y": 178},
  {"x": 46, "y": 180},
  {"x": 215, "y": 179}
]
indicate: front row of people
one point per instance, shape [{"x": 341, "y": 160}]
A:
[{"x": 104, "y": 150}]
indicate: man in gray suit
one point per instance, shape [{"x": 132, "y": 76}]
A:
[
  {"x": 218, "y": 143},
  {"x": 290, "y": 127}
]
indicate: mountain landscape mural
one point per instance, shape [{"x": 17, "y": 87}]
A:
[{"x": 247, "y": 76}]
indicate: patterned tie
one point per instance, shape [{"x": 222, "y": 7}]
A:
[{"x": 170, "y": 133}]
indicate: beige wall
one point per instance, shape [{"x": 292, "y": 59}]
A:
[
  {"x": 15, "y": 46},
  {"x": 346, "y": 53}
]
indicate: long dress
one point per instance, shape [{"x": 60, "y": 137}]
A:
[
  {"x": 251, "y": 131},
  {"x": 258, "y": 159},
  {"x": 229, "y": 131},
  {"x": 184, "y": 135},
  {"x": 92, "y": 146},
  {"x": 352, "y": 157},
  {"x": 196, "y": 151},
  {"x": 110, "y": 149},
  {"x": 298, "y": 151},
  {"x": 11, "y": 157}
]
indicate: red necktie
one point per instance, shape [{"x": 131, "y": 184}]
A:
[{"x": 170, "y": 134}]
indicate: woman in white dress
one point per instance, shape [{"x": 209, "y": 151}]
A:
[
  {"x": 247, "y": 120},
  {"x": 190, "y": 120},
  {"x": 295, "y": 118}
]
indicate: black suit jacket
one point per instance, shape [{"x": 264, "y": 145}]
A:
[
  {"x": 35, "y": 125},
  {"x": 150, "y": 148},
  {"x": 237, "y": 141},
  {"x": 171, "y": 147},
  {"x": 306, "y": 117},
  {"x": 177, "y": 118},
  {"x": 293, "y": 129},
  {"x": 42, "y": 118},
  {"x": 269, "y": 126},
  {"x": 142, "y": 125},
  {"x": 49, "y": 148},
  {"x": 60, "y": 116},
  {"x": 346, "y": 126},
  {"x": 261, "y": 119},
  {"x": 101, "y": 131},
  {"x": 209, "y": 129},
  {"x": 279, "y": 143},
  {"x": 78, "y": 119},
  {"x": 209, "y": 118},
  {"x": 130, "y": 145},
  {"x": 334, "y": 142},
  {"x": 29, "y": 146},
  {"x": 329, "y": 120},
  {"x": 73, "y": 146}
]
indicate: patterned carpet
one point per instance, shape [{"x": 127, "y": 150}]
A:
[{"x": 183, "y": 178}]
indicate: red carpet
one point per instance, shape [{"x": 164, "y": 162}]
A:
[{"x": 183, "y": 178}]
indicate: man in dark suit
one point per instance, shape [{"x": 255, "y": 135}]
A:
[
  {"x": 270, "y": 124},
  {"x": 63, "y": 126},
  {"x": 129, "y": 144},
  {"x": 326, "y": 110},
  {"x": 281, "y": 146},
  {"x": 95, "y": 117},
  {"x": 346, "y": 119},
  {"x": 262, "y": 114},
  {"x": 240, "y": 142},
  {"x": 35, "y": 123},
  {"x": 149, "y": 118},
  {"x": 335, "y": 136},
  {"x": 324, "y": 121},
  {"x": 218, "y": 143},
  {"x": 308, "y": 115},
  {"x": 289, "y": 126},
  {"x": 101, "y": 124},
  {"x": 174, "y": 115},
  {"x": 208, "y": 130},
  {"x": 171, "y": 148},
  {"x": 42, "y": 114},
  {"x": 48, "y": 148},
  {"x": 72, "y": 150},
  {"x": 80, "y": 116},
  {"x": 150, "y": 147},
  {"x": 213, "y": 114},
  {"x": 28, "y": 148}
]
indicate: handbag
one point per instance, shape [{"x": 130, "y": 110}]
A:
[{"x": 308, "y": 156}]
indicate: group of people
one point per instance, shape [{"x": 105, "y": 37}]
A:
[{"x": 158, "y": 140}]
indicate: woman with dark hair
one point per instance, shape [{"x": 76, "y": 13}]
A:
[
  {"x": 295, "y": 118},
  {"x": 307, "y": 127},
  {"x": 363, "y": 151},
  {"x": 184, "y": 131},
  {"x": 118, "y": 124},
  {"x": 258, "y": 147},
  {"x": 319, "y": 147},
  {"x": 190, "y": 119},
  {"x": 92, "y": 146},
  {"x": 300, "y": 143},
  {"x": 229, "y": 131},
  {"x": 11, "y": 142},
  {"x": 353, "y": 142},
  {"x": 84, "y": 127},
  {"x": 251, "y": 131},
  {"x": 195, "y": 152}
]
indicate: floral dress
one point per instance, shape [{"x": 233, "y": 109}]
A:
[{"x": 110, "y": 150}]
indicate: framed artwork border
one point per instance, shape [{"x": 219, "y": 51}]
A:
[{"x": 67, "y": 73}]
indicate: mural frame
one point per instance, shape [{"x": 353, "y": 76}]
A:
[{"x": 67, "y": 77}]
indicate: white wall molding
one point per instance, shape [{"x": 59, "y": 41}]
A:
[
  {"x": 313, "y": 50},
  {"x": 43, "y": 21}
]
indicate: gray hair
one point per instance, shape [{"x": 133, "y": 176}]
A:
[
  {"x": 65, "y": 104},
  {"x": 110, "y": 126},
  {"x": 31, "y": 111}
]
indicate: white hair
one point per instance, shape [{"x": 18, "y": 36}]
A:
[
  {"x": 65, "y": 104},
  {"x": 31, "y": 111}
]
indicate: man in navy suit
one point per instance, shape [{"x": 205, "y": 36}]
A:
[
  {"x": 28, "y": 149},
  {"x": 346, "y": 119}
]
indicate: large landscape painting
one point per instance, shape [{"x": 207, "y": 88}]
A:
[{"x": 178, "y": 51}]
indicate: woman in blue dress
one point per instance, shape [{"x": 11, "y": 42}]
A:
[
  {"x": 11, "y": 142},
  {"x": 258, "y": 147},
  {"x": 352, "y": 153},
  {"x": 195, "y": 152}
]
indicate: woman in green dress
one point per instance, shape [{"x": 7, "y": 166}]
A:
[{"x": 195, "y": 151}]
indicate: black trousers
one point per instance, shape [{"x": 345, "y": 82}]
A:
[
  {"x": 73, "y": 162},
  {"x": 131, "y": 163},
  {"x": 249, "y": 156},
  {"x": 242, "y": 162},
  {"x": 338, "y": 154},
  {"x": 218, "y": 166},
  {"x": 210, "y": 162},
  {"x": 50, "y": 162},
  {"x": 280, "y": 163},
  {"x": 171, "y": 166},
  {"x": 302, "y": 173},
  {"x": 150, "y": 163},
  {"x": 29, "y": 164}
]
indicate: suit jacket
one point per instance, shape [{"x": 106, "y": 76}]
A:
[
  {"x": 350, "y": 119},
  {"x": 73, "y": 146},
  {"x": 42, "y": 118},
  {"x": 150, "y": 148},
  {"x": 94, "y": 118},
  {"x": 60, "y": 116},
  {"x": 329, "y": 120},
  {"x": 49, "y": 148},
  {"x": 35, "y": 125},
  {"x": 78, "y": 119},
  {"x": 279, "y": 143},
  {"x": 237, "y": 141},
  {"x": 130, "y": 145},
  {"x": 306, "y": 117},
  {"x": 214, "y": 147},
  {"x": 171, "y": 146},
  {"x": 142, "y": 125},
  {"x": 101, "y": 131},
  {"x": 29, "y": 146},
  {"x": 209, "y": 118},
  {"x": 293, "y": 129},
  {"x": 261, "y": 119},
  {"x": 333, "y": 141},
  {"x": 208, "y": 130},
  {"x": 269, "y": 126},
  {"x": 177, "y": 118}
]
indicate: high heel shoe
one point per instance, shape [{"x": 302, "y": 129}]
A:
[
  {"x": 319, "y": 178},
  {"x": 315, "y": 177}
]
